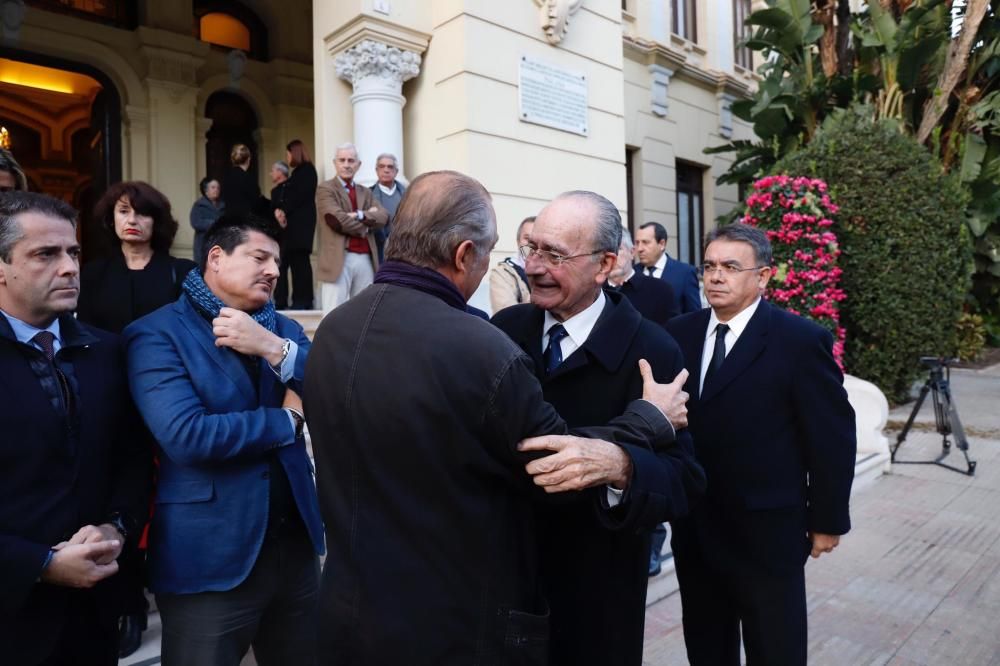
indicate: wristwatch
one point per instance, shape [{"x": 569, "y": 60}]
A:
[
  {"x": 117, "y": 520},
  {"x": 299, "y": 418},
  {"x": 285, "y": 349}
]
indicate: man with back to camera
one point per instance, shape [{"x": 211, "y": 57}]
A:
[
  {"x": 75, "y": 461},
  {"x": 776, "y": 435},
  {"x": 416, "y": 409},
  {"x": 236, "y": 531},
  {"x": 651, "y": 248},
  {"x": 586, "y": 345}
]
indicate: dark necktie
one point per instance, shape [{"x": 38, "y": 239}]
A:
[
  {"x": 46, "y": 340},
  {"x": 718, "y": 354},
  {"x": 650, "y": 270},
  {"x": 553, "y": 353},
  {"x": 352, "y": 195}
]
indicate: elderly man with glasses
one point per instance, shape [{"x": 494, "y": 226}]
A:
[
  {"x": 586, "y": 346},
  {"x": 775, "y": 433}
]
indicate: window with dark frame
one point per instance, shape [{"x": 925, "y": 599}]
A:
[
  {"x": 228, "y": 24},
  {"x": 685, "y": 19},
  {"x": 629, "y": 184},
  {"x": 741, "y": 32},
  {"x": 690, "y": 212}
]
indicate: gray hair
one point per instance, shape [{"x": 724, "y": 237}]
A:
[
  {"x": 15, "y": 203},
  {"x": 607, "y": 226},
  {"x": 347, "y": 146},
  {"x": 627, "y": 239},
  {"x": 744, "y": 233},
  {"x": 281, "y": 166},
  {"x": 441, "y": 210},
  {"x": 388, "y": 156}
]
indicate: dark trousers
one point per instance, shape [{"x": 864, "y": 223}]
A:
[
  {"x": 769, "y": 608},
  {"x": 85, "y": 639},
  {"x": 273, "y": 610},
  {"x": 302, "y": 281}
]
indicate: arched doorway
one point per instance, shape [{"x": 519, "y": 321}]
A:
[
  {"x": 233, "y": 121},
  {"x": 64, "y": 120}
]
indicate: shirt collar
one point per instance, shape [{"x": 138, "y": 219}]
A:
[
  {"x": 737, "y": 323},
  {"x": 579, "y": 325},
  {"x": 661, "y": 263},
  {"x": 25, "y": 332},
  {"x": 344, "y": 183},
  {"x": 388, "y": 191}
]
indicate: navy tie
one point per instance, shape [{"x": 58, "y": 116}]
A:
[
  {"x": 46, "y": 340},
  {"x": 553, "y": 353},
  {"x": 650, "y": 270},
  {"x": 718, "y": 354}
]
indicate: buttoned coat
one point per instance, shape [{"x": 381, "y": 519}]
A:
[{"x": 337, "y": 221}]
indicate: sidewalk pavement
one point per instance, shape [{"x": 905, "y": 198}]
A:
[{"x": 916, "y": 580}]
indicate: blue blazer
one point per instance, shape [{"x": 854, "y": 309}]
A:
[
  {"x": 214, "y": 430},
  {"x": 683, "y": 279},
  {"x": 775, "y": 434}
]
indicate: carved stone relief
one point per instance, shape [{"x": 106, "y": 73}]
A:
[{"x": 555, "y": 16}]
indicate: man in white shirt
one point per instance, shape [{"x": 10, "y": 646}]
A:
[
  {"x": 651, "y": 249},
  {"x": 587, "y": 346}
]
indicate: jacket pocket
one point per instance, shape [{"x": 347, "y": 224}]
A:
[
  {"x": 184, "y": 492},
  {"x": 526, "y": 640}
]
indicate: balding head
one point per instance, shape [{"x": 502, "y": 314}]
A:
[{"x": 439, "y": 211}]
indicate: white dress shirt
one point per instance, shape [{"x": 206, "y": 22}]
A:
[
  {"x": 25, "y": 332},
  {"x": 736, "y": 326},
  {"x": 388, "y": 191},
  {"x": 658, "y": 267},
  {"x": 578, "y": 327}
]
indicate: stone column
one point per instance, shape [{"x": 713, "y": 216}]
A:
[{"x": 377, "y": 72}]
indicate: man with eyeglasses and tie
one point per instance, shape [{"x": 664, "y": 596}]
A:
[
  {"x": 775, "y": 433},
  {"x": 651, "y": 249},
  {"x": 75, "y": 460},
  {"x": 586, "y": 345}
]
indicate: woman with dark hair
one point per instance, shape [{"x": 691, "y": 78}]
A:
[
  {"x": 297, "y": 214},
  {"x": 240, "y": 189},
  {"x": 205, "y": 211},
  {"x": 141, "y": 276},
  {"x": 12, "y": 176}
]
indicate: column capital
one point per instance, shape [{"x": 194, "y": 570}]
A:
[{"x": 370, "y": 58}]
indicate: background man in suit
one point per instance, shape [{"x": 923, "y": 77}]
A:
[
  {"x": 350, "y": 216},
  {"x": 236, "y": 531},
  {"x": 654, "y": 299},
  {"x": 388, "y": 192},
  {"x": 651, "y": 246},
  {"x": 74, "y": 482},
  {"x": 594, "y": 577},
  {"x": 775, "y": 433},
  {"x": 416, "y": 409},
  {"x": 296, "y": 213},
  {"x": 508, "y": 281}
]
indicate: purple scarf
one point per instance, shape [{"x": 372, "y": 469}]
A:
[{"x": 422, "y": 279}]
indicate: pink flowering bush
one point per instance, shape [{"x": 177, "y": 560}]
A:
[{"x": 797, "y": 215}]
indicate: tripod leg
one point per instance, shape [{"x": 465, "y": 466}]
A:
[
  {"x": 961, "y": 442},
  {"x": 909, "y": 422}
]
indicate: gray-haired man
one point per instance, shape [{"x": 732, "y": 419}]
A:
[{"x": 388, "y": 192}]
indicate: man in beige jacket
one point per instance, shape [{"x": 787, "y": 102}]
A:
[{"x": 348, "y": 217}]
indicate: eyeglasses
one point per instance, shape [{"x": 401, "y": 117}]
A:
[
  {"x": 729, "y": 268},
  {"x": 550, "y": 258}
]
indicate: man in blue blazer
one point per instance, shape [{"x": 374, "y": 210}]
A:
[
  {"x": 236, "y": 529},
  {"x": 774, "y": 431},
  {"x": 651, "y": 248}
]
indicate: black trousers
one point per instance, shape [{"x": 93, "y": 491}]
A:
[
  {"x": 770, "y": 610},
  {"x": 273, "y": 610},
  {"x": 302, "y": 281},
  {"x": 86, "y": 639}
]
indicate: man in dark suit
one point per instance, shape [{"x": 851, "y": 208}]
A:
[
  {"x": 76, "y": 462},
  {"x": 651, "y": 247},
  {"x": 775, "y": 433},
  {"x": 586, "y": 345},
  {"x": 654, "y": 299},
  {"x": 236, "y": 531}
]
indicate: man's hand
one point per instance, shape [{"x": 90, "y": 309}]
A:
[
  {"x": 577, "y": 463},
  {"x": 237, "y": 330},
  {"x": 80, "y": 564},
  {"x": 823, "y": 543},
  {"x": 292, "y": 400},
  {"x": 670, "y": 398},
  {"x": 279, "y": 215},
  {"x": 96, "y": 534}
]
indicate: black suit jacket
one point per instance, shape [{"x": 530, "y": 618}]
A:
[
  {"x": 594, "y": 577},
  {"x": 654, "y": 299},
  {"x": 59, "y": 473},
  {"x": 299, "y": 203},
  {"x": 775, "y": 434}
]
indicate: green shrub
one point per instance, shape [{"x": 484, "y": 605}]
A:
[
  {"x": 970, "y": 336},
  {"x": 905, "y": 250}
]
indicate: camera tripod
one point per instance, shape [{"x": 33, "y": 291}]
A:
[{"x": 946, "y": 419}]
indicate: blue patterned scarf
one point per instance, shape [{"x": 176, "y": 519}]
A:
[{"x": 209, "y": 304}]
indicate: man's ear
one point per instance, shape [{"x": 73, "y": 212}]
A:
[
  {"x": 608, "y": 260},
  {"x": 212, "y": 261},
  {"x": 465, "y": 255},
  {"x": 3, "y": 273}
]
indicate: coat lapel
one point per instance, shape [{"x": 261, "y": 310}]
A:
[
  {"x": 748, "y": 347},
  {"x": 608, "y": 341},
  {"x": 226, "y": 359}
]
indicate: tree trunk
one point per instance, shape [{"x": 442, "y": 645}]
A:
[
  {"x": 954, "y": 68},
  {"x": 844, "y": 57},
  {"x": 823, "y": 15}
]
